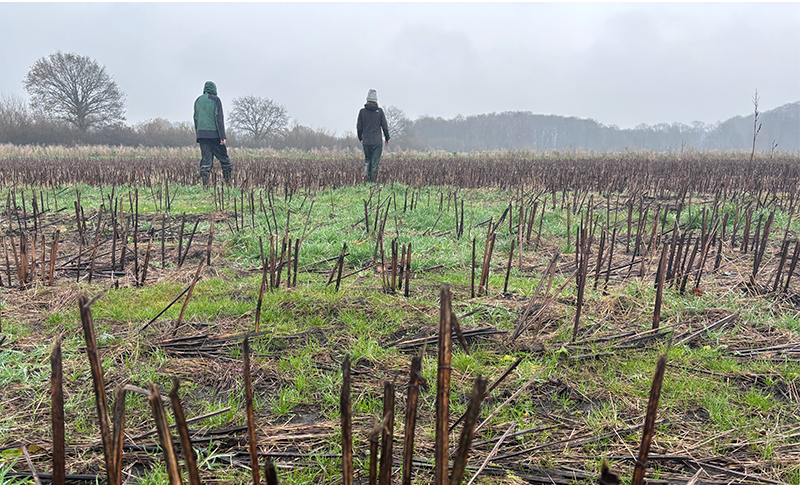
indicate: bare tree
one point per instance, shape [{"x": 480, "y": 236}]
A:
[
  {"x": 400, "y": 126},
  {"x": 15, "y": 119},
  {"x": 756, "y": 124},
  {"x": 162, "y": 132},
  {"x": 75, "y": 89},
  {"x": 261, "y": 118}
]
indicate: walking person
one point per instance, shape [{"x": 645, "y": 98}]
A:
[
  {"x": 371, "y": 121},
  {"x": 209, "y": 124}
]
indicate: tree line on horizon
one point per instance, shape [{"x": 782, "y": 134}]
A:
[
  {"x": 75, "y": 101},
  {"x": 523, "y": 130}
]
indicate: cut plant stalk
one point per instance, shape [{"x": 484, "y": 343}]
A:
[
  {"x": 547, "y": 274},
  {"x": 546, "y": 304},
  {"x": 272, "y": 255},
  {"x": 493, "y": 452},
  {"x": 374, "y": 438},
  {"x": 673, "y": 245},
  {"x": 96, "y": 243},
  {"x": 251, "y": 420},
  {"x": 387, "y": 434},
  {"x": 600, "y": 252},
  {"x": 118, "y": 423},
  {"x": 53, "y": 257},
  {"x": 270, "y": 474},
  {"x": 289, "y": 263},
  {"x": 443, "y": 389},
  {"x": 650, "y": 421},
  {"x": 210, "y": 241},
  {"x": 394, "y": 265},
  {"x": 407, "y": 289},
  {"x": 509, "y": 400},
  {"x": 189, "y": 243},
  {"x": 183, "y": 432},
  {"x": 472, "y": 278},
  {"x": 164, "y": 436},
  {"x": 704, "y": 255},
  {"x": 296, "y": 259},
  {"x": 163, "y": 240},
  {"x": 146, "y": 260},
  {"x": 761, "y": 248},
  {"x": 28, "y": 460},
  {"x": 460, "y": 461},
  {"x": 459, "y": 334},
  {"x": 687, "y": 271},
  {"x": 186, "y": 302},
  {"x": 483, "y": 287},
  {"x": 341, "y": 266},
  {"x": 485, "y": 255},
  {"x": 347, "y": 424},
  {"x": 792, "y": 265},
  {"x": 135, "y": 237},
  {"x": 660, "y": 277},
  {"x": 401, "y": 266},
  {"x": 415, "y": 380},
  {"x": 264, "y": 270},
  {"x": 339, "y": 261},
  {"x": 508, "y": 267},
  {"x": 491, "y": 388},
  {"x": 57, "y": 412},
  {"x": 166, "y": 308},
  {"x": 581, "y": 275},
  {"x": 101, "y": 400},
  {"x": 180, "y": 240}
]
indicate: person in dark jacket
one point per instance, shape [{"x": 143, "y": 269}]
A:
[
  {"x": 371, "y": 121},
  {"x": 209, "y": 124}
]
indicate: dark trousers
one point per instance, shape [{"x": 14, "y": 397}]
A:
[
  {"x": 210, "y": 148},
  {"x": 372, "y": 157}
]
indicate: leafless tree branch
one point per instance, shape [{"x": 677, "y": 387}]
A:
[{"x": 75, "y": 89}]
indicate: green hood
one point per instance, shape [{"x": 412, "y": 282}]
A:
[{"x": 210, "y": 88}]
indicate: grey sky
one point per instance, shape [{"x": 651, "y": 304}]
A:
[{"x": 620, "y": 63}]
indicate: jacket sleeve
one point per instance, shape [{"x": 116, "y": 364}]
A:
[
  {"x": 384, "y": 125},
  {"x": 359, "y": 127},
  {"x": 220, "y": 120},
  {"x": 195, "y": 115}
]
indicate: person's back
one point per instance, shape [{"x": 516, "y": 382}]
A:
[
  {"x": 208, "y": 118},
  {"x": 370, "y": 118},
  {"x": 371, "y": 121},
  {"x": 209, "y": 125}
]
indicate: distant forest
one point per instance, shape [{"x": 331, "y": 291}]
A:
[
  {"x": 513, "y": 130},
  {"x": 523, "y": 130}
]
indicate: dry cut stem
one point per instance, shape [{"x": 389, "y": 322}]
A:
[
  {"x": 650, "y": 421},
  {"x": 57, "y": 413},
  {"x": 251, "y": 421},
  {"x": 443, "y": 388}
]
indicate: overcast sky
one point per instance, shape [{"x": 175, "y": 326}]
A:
[{"x": 620, "y": 63}]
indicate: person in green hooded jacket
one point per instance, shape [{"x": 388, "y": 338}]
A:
[{"x": 209, "y": 124}]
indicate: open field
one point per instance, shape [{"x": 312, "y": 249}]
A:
[{"x": 574, "y": 271}]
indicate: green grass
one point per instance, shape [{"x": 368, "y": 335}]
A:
[{"x": 312, "y": 327}]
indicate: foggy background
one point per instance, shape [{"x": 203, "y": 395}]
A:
[{"x": 620, "y": 64}]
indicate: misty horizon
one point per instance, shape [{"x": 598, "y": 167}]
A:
[{"x": 619, "y": 64}]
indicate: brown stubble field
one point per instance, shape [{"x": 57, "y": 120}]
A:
[{"x": 571, "y": 315}]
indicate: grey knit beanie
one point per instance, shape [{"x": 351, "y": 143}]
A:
[{"x": 372, "y": 95}]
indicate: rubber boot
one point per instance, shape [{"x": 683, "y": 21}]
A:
[
  {"x": 227, "y": 176},
  {"x": 204, "y": 176}
]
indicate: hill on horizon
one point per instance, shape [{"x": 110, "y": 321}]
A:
[{"x": 514, "y": 130}]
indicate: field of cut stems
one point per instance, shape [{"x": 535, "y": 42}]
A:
[{"x": 486, "y": 318}]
